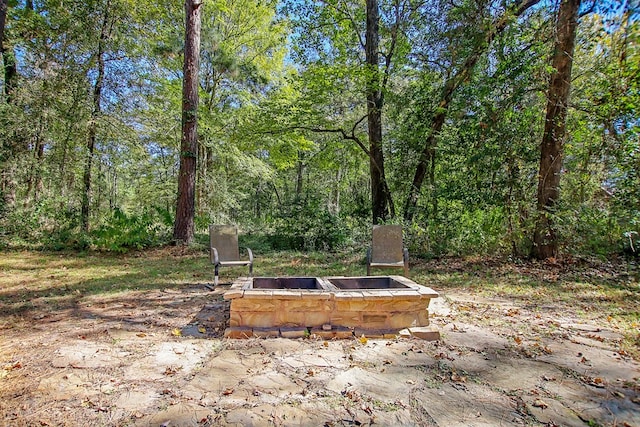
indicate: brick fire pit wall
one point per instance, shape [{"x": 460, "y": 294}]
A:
[{"x": 336, "y": 307}]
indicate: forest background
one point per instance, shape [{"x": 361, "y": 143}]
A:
[{"x": 317, "y": 119}]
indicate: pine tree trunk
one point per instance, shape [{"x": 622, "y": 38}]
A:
[
  {"x": 183, "y": 230},
  {"x": 3, "y": 20},
  {"x": 379, "y": 192},
  {"x": 545, "y": 242}
]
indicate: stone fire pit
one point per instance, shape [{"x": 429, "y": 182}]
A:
[{"x": 329, "y": 307}]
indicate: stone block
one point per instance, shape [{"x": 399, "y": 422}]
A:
[
  {"x": 316, "y": 295},
  {"x": 286, "y": 294},
  {"x": 336, "y": 332},
  {"x": 235, "y": 319},
  {"x": 305, "y": 305},
  {"x": 405, "y": 294},
  {"x": 355, "y": 305},
  {"x": 375, "y": 333},
  {"x": 258, "y": 294},
  {"x": 317, "y": 318},
  {"x": 348, "y": 319},
  {"x": 233, "y": 294},
  {"x": 425, "y": 333},
  {"x": 398, "y": 305},
  {"x": 258, "y": 319},
  {"x": 253, "y": 304},
  {"x": 348, "y": 295},
  {"x": 426, "y": 292},
  {"x": 374, "y": 321},
  {"x": 377, "y": 294},
  {"x": 423, "y": 318},
  {"x": 238, "y": 332},
  {"x": 294, "y": 332},
  {"x": 404, "y": 333},
  {"x": 290, "y": 318},
  {"x": 400, "y": 320}
]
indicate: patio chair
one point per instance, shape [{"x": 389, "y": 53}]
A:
[
  {"x": 224, "y": 249},
  {"x": 387, "y": 249}
]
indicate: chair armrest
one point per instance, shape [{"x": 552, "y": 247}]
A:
[
  {"x": 213, "y": 256},
  {"x": 250, "y": 262}
]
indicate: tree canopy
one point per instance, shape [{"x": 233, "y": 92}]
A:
[{"x": 316, "y": 119}]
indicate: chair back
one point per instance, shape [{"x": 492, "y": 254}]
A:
[
  {"x": 386, "y": 244},
  {"x": 225, "y": 239}
]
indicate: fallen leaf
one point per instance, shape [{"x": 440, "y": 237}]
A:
[
  {"x": 202, "y": 329},
  {"x": 227, "y": 391},
  {"x": 363, "y": 340},
  {"x": 518, "y": 340},
  {"x": 171, "y": 370},
  {"x": 141, "y": 335},
  {"x": 12, "y": 366},
  {"x": 176, "y": 332},
  {"x": 539, "y": 403},
  {"x": 458, "y": 378}
]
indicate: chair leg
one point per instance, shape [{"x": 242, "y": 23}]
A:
[{"x": 215, "y": 277}]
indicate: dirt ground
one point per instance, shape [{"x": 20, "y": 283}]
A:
[{"x": 158, "y": 358}]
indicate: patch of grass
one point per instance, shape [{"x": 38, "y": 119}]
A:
[{"x": 607, "y": 294}]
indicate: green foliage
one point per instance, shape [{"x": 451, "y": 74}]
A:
[
  {"x": 460, "y": 232},
  {"x": 267, "y": 92},
  {"x": 125, "y": 232},
  {"x": 308, "y": 227}
]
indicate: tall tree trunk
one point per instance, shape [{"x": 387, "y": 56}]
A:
[
  {"x": 8, "y": 57},
  {"x": 545, "y": 243},
  {"x": 379, "y": 191},
  {"x": 426, "y": 162},
  {"x": 300, "y": 176},
  {"x": 183, "y": 230},
  {"x": 105, "y": 31},
  {"x": 3, "y": 21}
]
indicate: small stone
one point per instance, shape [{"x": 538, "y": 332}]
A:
[
  {"x": 293, "y": 332},
  {"x": 425, "y": 333}
]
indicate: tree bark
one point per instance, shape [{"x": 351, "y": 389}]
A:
[
  {"x": 3, "y": 20},
  {"x": 545, "y": 242},
  {"x": 85, "y": 209},
  {"x": 183, "y": 230},
  {"x": 8, "y": 57},
  {"x": 380, "y": 196},
  {"x": 426, "y": 162}
]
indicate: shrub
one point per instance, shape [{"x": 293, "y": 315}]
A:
[{"x": 308, "y": 227}]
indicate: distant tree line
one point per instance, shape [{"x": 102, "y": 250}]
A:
[{"x": 482, "y": 126}]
